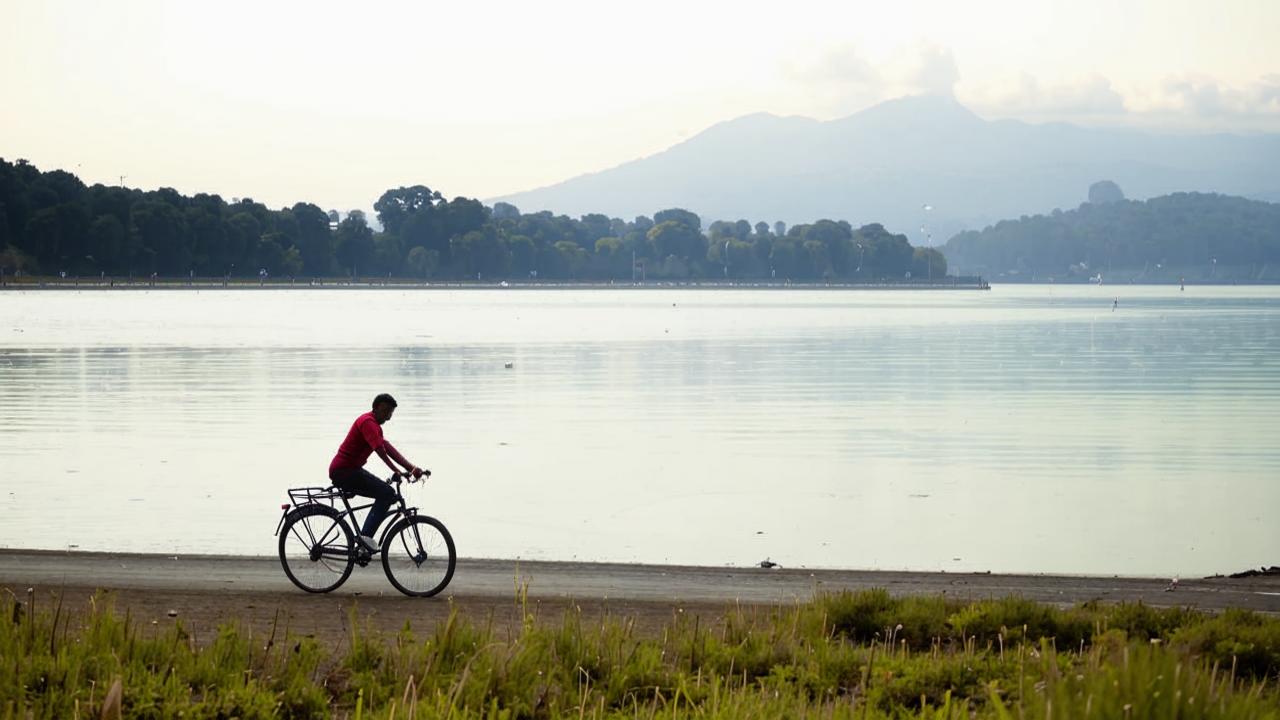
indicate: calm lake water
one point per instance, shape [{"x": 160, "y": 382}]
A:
[{"x": 1029, "y": 428}]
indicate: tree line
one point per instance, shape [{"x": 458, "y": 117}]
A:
[
  {"x": 51, "y": 222},
  {"x": 1183, "y": 231}
]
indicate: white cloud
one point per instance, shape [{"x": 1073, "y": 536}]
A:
[
  {"x": 838, "y": 64},
  {"x": 835, "y": 80},
  {"x": 1090, "y": 96},
  {"x": 1268, "y": 94},
  {"x": 840, "y": 79},
  {"x": 844, "y": 77},
  {"x": 1204, "y": 97},
  {"x": 932, "y": 70},
  {"x": 1184, "y": 103}
]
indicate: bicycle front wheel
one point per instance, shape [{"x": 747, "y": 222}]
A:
[
  {"x": 418, "y": 556},
  {"x": 316, "y": 548}
]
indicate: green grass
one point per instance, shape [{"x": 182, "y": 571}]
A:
[{"x": 845, "y": 655}]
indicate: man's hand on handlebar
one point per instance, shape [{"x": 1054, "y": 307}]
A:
[{"x": 416, "y": 473}]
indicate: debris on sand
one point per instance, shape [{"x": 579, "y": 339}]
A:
[{"x": 1273, "y": 570}]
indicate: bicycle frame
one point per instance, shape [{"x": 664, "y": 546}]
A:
[
  {"x": 316, "y": 527},
  {"x": 304, "y": 496}
]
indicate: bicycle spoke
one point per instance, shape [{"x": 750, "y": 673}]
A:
[
  {"x": 418, "y": 558},
  {"x": 404, "y": 540},
  {"x": 305, "y": 542},
  {"x": 316, "y": 556}
]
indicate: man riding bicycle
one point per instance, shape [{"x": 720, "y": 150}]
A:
[{"x": 347, "y": 468}]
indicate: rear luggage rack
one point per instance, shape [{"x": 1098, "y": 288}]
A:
[{"x": 307, "y": 495}]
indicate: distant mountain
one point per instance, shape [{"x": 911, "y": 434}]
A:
[{"x": 885, "y": 163}]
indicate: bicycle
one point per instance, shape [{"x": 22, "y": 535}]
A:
[{"x": 318, "y": 548}]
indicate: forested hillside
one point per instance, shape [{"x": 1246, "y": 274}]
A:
[
  {"x": 1201, "y": 236},
  {"x": 51, "y": 222}
]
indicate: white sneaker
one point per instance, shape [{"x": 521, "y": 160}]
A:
[{"x": 369, "y": 543}]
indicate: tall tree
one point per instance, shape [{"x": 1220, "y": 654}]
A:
[
  {"x": 396, "y": 206},
  {"x": 673, "y": 238},
  {"x": 505, "y": 211},
  {"x": 354, "y": 244},
  {"x": 158, "y": 236},
  {"x": 680, "y": 215},
  {"x": 315, "y": 241}
]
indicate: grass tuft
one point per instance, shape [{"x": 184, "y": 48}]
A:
[{"x": 843, "y": 655}]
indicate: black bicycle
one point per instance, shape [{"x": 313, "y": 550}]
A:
[{"x": 318, "y": 548}]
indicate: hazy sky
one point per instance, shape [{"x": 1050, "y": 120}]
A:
[{"x": 333, "y": 102}]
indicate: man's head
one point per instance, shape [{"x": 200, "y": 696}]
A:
[{"x": 383, "y": 407}]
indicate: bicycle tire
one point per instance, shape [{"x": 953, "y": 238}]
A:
[
  {"x": 418, "y": 556},
  {"x": 316, "y": 548}
]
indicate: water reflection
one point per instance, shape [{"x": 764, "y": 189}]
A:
[{"x": 1029, "y": 429}]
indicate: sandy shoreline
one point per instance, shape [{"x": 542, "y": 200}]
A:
[
  {"x": 205, "y": 591},
  {"x": 670, "y": 584}
]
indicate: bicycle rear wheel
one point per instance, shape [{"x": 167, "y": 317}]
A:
[
  {"x": 316, "y": 548},
  {"x": 418, "y": 556}
]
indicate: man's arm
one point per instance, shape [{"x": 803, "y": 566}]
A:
[
  {"x": 373, "y": 435},
  {"x": 395, "y": 454},
  {"x": 382, "y": 453},
  {"x": 409, "y": 467}
]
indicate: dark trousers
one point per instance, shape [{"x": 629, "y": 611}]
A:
[{"x": 366, "y": 484}]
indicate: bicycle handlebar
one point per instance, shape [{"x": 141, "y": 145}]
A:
[{"x": 398, "y": 476}]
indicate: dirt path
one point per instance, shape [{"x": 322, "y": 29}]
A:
[{"x": 204, "y": 591}]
